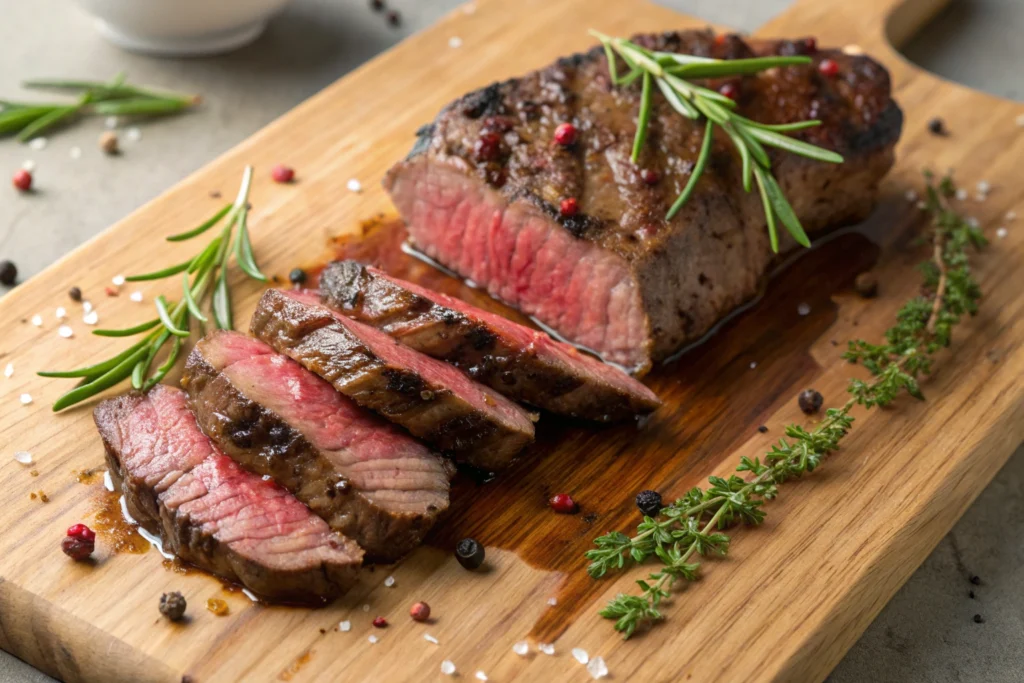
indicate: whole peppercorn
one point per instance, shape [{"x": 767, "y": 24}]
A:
[
  {"x": 810, "y": 401},
  {"x": 470, "y": 553},
  {"x": 297, "y": 276},
  {"x": 975, "y": 579},
  {"x": 978, "y": 619},
  {"x": 420, "y": 611},
  {"x": 377, "y": 5},
  {"x": 828, "y": 67},
  {"x": 380, "y": 622},
  {"x": 937, "y": 126},
  {"x": 172, "y": 605},
  {"x": 650, "y": 176},
  {"x": 81, "y": 531},
  {"x": 282, "y": 174},
  {"x": 649, "y": 502},
  {"x": 75, "y": 293},
  {"x": 22, "y": 180},
  {"x": 563, "y": 504},
  {"x": 8, "y": 273},
  {"x": 108, "y": 142},
  {"x": 866, "y": 285},
  {"x": 810, "y": 46},
  {"x": 569, "y": 207},
  {"x": 77, "y": 548},
  {"x": 729, "y": 90},
  {"x": 763, "y": 429},
  {"x": 565, "y": 134},
  {"x": 394, "y": 18}
]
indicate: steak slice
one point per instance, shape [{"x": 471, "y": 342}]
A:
[
  {"x": 210, "y": 511},
  {"x": 365, "y": 477},
  {"x": 482, "y": 187},
  {"x": 519, "y": 362},
  {"x": 430, "y": 398}
]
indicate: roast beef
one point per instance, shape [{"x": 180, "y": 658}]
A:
[
  {"x": 430, "y": 398},
  {"x": 211, "y": 512},
  {"x": 482, "y": 188},
  {"x": 517, "y": 361},
  {"x": 367, "y": 478}
]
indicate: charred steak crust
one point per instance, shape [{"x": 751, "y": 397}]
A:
[
  {"x": 616, "y": 277},
  {"x": 263, "y": 442},
  {"x": 428, "y": 397},
  {"x": 213, "y": 514},
  {"x": 521, "y": 363}
]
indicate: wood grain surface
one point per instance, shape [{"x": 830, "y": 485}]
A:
[{"x": 785, "y": 605}]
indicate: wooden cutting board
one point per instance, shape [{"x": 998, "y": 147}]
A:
[{"x": 785, "y": 605}]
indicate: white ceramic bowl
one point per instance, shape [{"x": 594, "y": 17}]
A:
[{"x": 181, "y": 27}]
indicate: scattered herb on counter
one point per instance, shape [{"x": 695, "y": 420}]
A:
[
  {"x": 692, "y": 525},
  {"x": 670, "y": 73},
  {"x": 29, "y": 120},
  {"x": 208, "y": 271}
]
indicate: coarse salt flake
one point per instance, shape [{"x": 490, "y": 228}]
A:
[
  {"x": 1001, "y": 233},
  {"x": 345, "y": 626},
  {"x": 911, "y": 195},
  {"x": 38, "y": 143},
  {"x": 853, "y": 50},
  {"x": 389, "y": 582},
  {"x": 61, "y": 313},
  {"x": 961, "y": 194},
  {"x": 552, "y": 601},
  {"x": 26, "y": 399},
  {"x": 596, "y": 668},
  {"x": 1011, "y": 215},
  {"x": 9, "y": 370},
  {"x": 973, "y": 222},
  {"x": 522, "y": 648},
  {"x": 984, "y": 186},
  {"x": 91, "y": 318},
  {"x": 110, "y": 122},
  {"x": 354, "y": 185},
  {"x": 24, "y": 457},
  {"x": 134, "y": 133},
  {"x": 366, "y": 608},
  {"x": 29, "y": 165},
  {"x": 546, "y": 648},
  {"x": 75, "y": 152},
  {"x": 753, "y": 364},
  {"x": 430, "y": 639},
  {"x": 86, "y": 306},
  {"x": 803, "y": 309},
  {"x": 135, "y": 296},
  {"x": 481, "y": 676},
  {"x": 118, "y": 280},
  {"x": 372, "y": 639},
  {"x": 922, "y": 205},
  {"x": 455, "y": 42},
  {"x": 448, "y": 667},
  {"x": 37, "y": 320},
  {"x": 65, "y": 331},
  {"x": 580, "y": 655}
]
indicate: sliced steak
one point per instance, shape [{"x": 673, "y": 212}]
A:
[
  {"x": 482, "y": 188},
  {"x": 213, "y": 513},
  {"x": 519, "y": 362},
  {"x": 430, "y": 398},
  {"x": 364, "y": 476}
]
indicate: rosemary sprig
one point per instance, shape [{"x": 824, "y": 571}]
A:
[
  {"x": 110, "y": 98},
  {"x": 691, "y": 526},
  {"x": 173, "y": 322},
  {"x": 672, "y": 74}
]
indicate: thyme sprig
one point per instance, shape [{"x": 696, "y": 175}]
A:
[
  {"x": 692, "y": 526},
  {"x": 202, "y": 274},
  {"x": 109, "y": 98},
  {"x": 672, "y": 74}
]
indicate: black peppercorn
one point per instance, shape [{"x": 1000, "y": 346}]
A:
[
  {"x": 469, "y": 553},
  {"x": 810, "y": 401},
  {"x": 937, "y": 127},
  {"x": 866, "y": 285},
  {"x": 172, "y": 605},
  {"x": 970, "y": 594},
  {"x": 377, "y": 5},
  {"x": 8, "y": 273},
  {"x": 975, "y": 579},
  {"x": 649, "y": 502},
  {"x": 394, "y": 18},
  {"x": 978, "y": 619},
  {"x": 763, "y": 429},
  {"x": 297, "y": 276},
  {"x": 75, "y": 293}
]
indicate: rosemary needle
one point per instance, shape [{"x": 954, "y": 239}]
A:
[{"x": 207, "y": 268}]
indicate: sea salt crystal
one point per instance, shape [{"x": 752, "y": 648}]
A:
[
  {"x": 134, "y": 133},
  {"x": 38, "y": 143},
  {"x": 481, "y": 676},
  {"x": 110, "y": 122},
  {"x": 118, "y": 280},
  {"x": 9, "y": 370},
  {"x": 596, "y": 668},
  {"x": 911, "y": 195},
  {"x": 372, "y": 639},
  {"x": 24, "y": 457},
  {"x": 522, "y": 648},
  {"x": 853, "y": 50},
  {"x": 546, "y": 648},
  {"x": 366, "y": 608},
  {"x": 26, "y": 399},
  {"x": 91, "y": 318},
  {"x": 345, "y": 626},
  {"x": 753, "y": 364},
  {"x": 135, "y": 296},
  {"x": 984, "y": 187},
  {"x": 61, "y": 313},
  {"x": 87, "y": 306},
  {"x": 922, "y": 205},
  {"x": 75, "y": 152},
  {"x": 65, "y": 331},
  {"x": 973, "y": 222},
  {"x": 961, "y": 194},
  {"x": 354, "y": 185},
  {"x": 37, "y": 320},
  {"x": 1001, "y": 233},
  {"x": 580, "y": 655},
  {"x": 29, "y": 165},
  {"x": 1011, "y": 215},
  {"x": 803, "y": 309},
  {"x": 448, "y": 667},
  {"x": 389, "y": 582},
  {"x": 430, "y": 639},
  {"x": 552, "y": 601},
  {"x": 455, "y": 42}
]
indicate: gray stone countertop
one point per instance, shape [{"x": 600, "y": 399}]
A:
[{"x": 926, "y": 634}]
